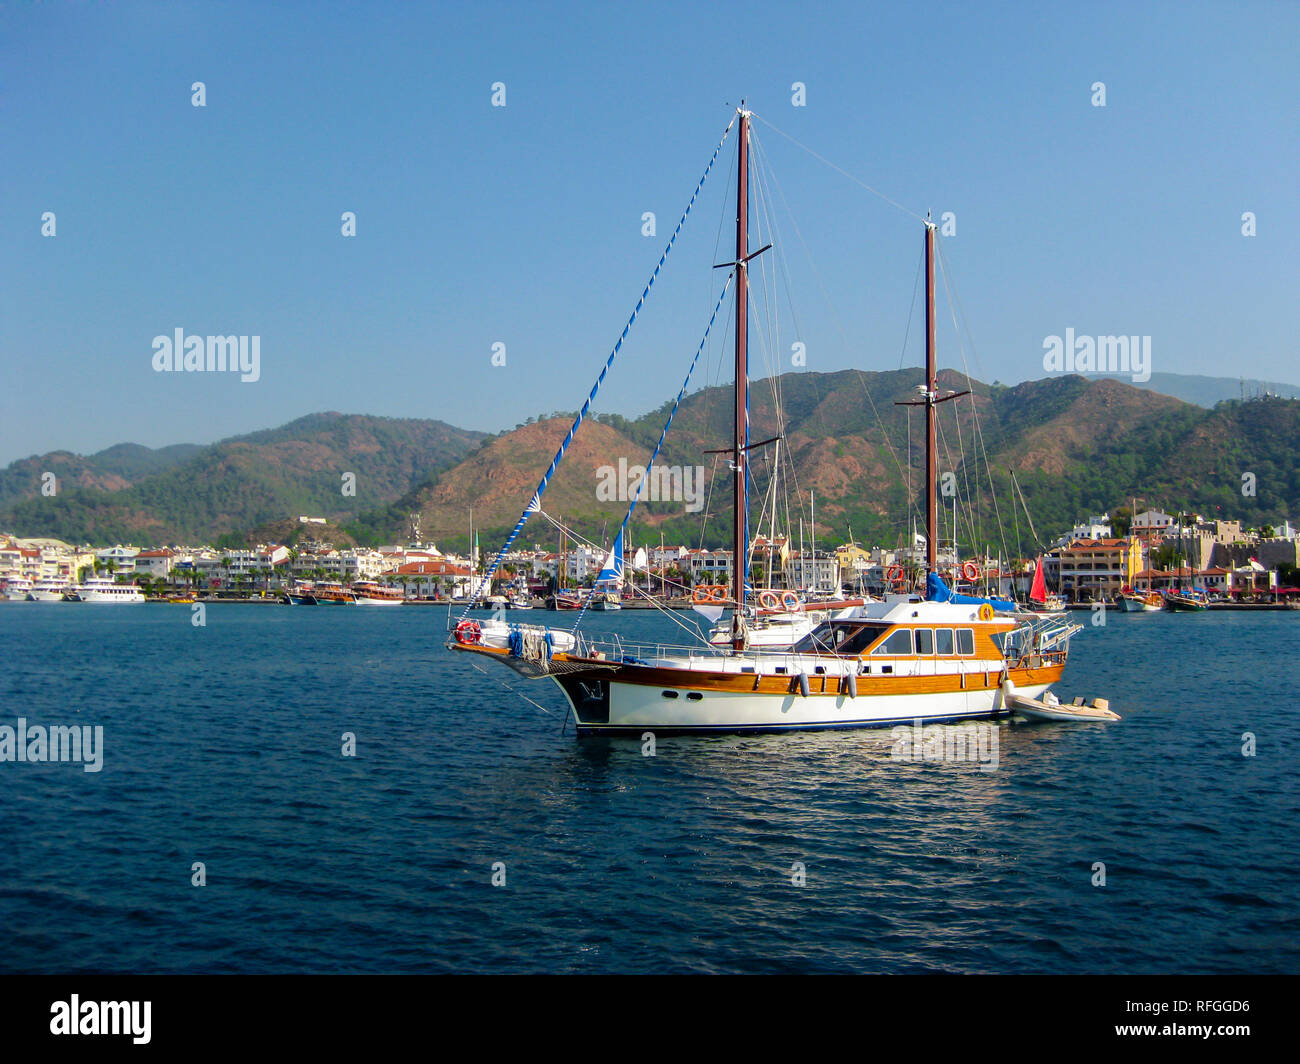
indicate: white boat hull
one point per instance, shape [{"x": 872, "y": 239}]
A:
[
  {"x": 103, "y": 598},
  {"x": 45, "y": 596},
  {"x": 634, "y": 708}
]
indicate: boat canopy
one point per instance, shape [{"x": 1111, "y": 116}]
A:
[{"x": 937, "y": 591}]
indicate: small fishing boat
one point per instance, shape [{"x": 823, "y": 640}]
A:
[
  {"x": 1186, "y": 601},
  {"x": 1049, "y": 707}
]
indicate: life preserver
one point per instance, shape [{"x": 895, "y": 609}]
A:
[
  {"x": 970, "y": 571},
  {"x": 986, "y": 612},
  {"x": 791, "y": 601},
  {"x": 768, "y": 600},
  {"x": 709, "y": 595},
  {"x": 894, "y": 574},
  {"x": 468, "y": 633}
]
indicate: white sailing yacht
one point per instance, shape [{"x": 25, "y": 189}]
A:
[{"x": 944, "y": 657}]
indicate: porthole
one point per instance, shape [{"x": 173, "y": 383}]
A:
[{"x": 670, "y": 694}]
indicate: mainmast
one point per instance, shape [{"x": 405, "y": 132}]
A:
[
  {"x": 740, "y": 434},
  {"x": 930, "y": 399}
]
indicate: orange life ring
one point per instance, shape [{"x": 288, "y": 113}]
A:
[
  {"x": 769, "y": 600},
  {"x": 791, "y": 601},
  {"x": 970, "y": 571},
  {"x": 894, "y": 574},
  {"x": 468, "y": 633},
  {"x": 709, "y": 595}
]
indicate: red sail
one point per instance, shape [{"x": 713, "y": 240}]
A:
[{"x": 1038, "y": 593}]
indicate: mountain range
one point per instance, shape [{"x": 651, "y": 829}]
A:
[{"x": 1028, "y": 461}]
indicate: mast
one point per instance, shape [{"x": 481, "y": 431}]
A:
[
  {"x": 930, "y": 399},
  {"x": 740, "y": 434},
  {"x": 931, "y": 389}
]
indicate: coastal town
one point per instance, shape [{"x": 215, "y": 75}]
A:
[{"x": 1097, "y": 561}]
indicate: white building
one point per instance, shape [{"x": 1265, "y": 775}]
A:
[
  {"x": 122, "y": 558},
  {"x": 1152, "y": 523}
]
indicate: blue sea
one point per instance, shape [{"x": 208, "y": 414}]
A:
[{"x": 223, "y": 745}]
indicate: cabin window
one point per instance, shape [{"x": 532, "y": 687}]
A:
[
  {"x": 924, "y": 641},
  {"x": 693, "y": 696},
  {"x": 965, "y": 641},
  {"x": 842, "y": 638},
  {"x": 898, "y": 644},
  {"x": 670, "y": 694},
  {"x": 943, "y": 641}
]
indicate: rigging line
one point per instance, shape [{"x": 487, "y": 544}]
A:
[
  {"x": 535, "y": 503},
  {"x": 517, "y": 694},
  {"x": 708, "y": 502},
  {"x": 618, "y": 539},
  {"x": 982, "y": 450},
  {"x": 911, "y": 308},
  {"x": 765, "y": 174},
  {"x": 574, "y": 534},
  {"x": 960, "y": 311},
  {"x": 841, "y": 170},
  {"x": 766, "y": 169},
  {"x": 839, "y": 324}
]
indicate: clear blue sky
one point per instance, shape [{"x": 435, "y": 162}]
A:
[{"x": 522, "y": 224}]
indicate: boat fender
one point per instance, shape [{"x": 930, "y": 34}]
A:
[
  {"x": 804, "y": 687},
  {"x": 851, "y": 679}
]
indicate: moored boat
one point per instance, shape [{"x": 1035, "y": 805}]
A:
[
  {"x": 17, "y": 588},
  {"x": 1185, "y": 601},
  {"x": 101, "y": 590},
  {"x": 334, "y": 595},
  {"x": 1131, "y": 601},
  {"x": 51, "y": 589},
  {"x": 369, "y": 593}
]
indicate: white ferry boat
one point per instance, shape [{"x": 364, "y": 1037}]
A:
[
  {"x": 16, "y": 588},
  {"x": 100, "y": 589},
  {"x": 49, "y": 590}
]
